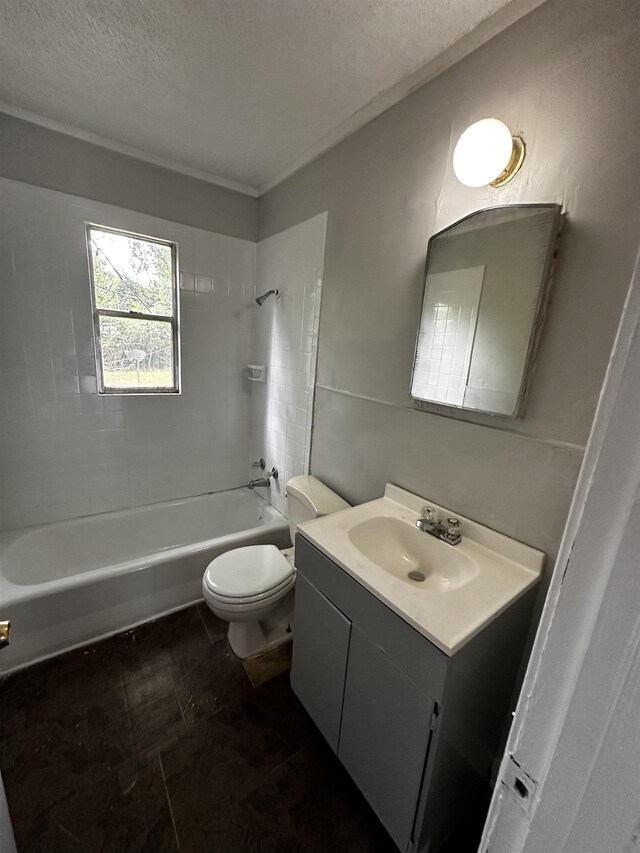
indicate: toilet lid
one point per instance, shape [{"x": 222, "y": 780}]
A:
[{"x": 247, "y": 571}]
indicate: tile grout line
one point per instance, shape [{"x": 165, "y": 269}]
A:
[
  {"x": 266, "y": 780},
  {"x": 204, "y": 625},
  {"x": 175, "y": 693},
  {"x": 286, "y": 760},
  {"x": 166, "y": 790},
  {"x": 173, "y": 679}
]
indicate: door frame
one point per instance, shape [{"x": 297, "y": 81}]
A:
[{"x": 574, "y": 718}]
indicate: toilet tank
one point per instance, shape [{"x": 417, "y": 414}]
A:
[{"x": 308, "y": 498}]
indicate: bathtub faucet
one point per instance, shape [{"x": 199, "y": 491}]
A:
[{"x": 264, "y": 481}]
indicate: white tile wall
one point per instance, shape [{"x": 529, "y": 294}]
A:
[
  {"x": 66, "y": 452},
  {"x": 286, "y": 340}
]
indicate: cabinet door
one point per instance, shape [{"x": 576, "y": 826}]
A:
[
  {"x": 384, "y": 737},
  {"x": 320, "y": 649}
]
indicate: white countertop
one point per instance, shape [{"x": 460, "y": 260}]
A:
[{"x": 503, "y": 569}]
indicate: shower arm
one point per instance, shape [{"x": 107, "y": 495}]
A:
[{"x": 265, "y": 296}]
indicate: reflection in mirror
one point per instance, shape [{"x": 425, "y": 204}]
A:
[{"x": 484, "y": 295}]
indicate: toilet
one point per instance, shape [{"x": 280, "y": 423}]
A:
[{"x": 251, "y": 588}]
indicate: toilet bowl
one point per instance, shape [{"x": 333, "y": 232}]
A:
[{"x": 252, "y": 588}]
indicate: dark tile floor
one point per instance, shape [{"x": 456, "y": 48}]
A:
[{"x": 155, "y": 740}]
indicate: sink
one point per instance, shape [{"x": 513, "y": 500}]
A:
[
  {"x": 454, "y": 591},
  {"x": 402, "y": 550}
]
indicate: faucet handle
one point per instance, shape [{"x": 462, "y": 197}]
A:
[
  {"x": 452, "y": 527},
  {"x": 259, "y": 464},
  {"x": 428, "y": 513}
]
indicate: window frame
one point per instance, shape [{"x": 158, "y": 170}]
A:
[{"x": 173, "y": 319}]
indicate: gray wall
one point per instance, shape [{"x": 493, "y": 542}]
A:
[
  {"x": 566, "y": 78},
  {"x": 35, "y": 155}
]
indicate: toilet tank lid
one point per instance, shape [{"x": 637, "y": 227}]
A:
[{"x": 315, "y": 495}]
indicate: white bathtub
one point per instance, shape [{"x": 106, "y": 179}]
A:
[{"x": 70, "y": 583}]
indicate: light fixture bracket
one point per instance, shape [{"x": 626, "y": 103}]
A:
[{"x": 514, "y": 165}]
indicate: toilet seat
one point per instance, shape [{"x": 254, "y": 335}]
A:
[
  {"x": 240, "y": 607},
  {"x": 248, "y": 599},
  {"x": 246, "y": 575}
]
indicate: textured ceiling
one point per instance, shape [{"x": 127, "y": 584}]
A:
[{"x": 243, "y": 89}]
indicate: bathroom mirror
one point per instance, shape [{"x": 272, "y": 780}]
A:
[{"x": 485, "y": 290}]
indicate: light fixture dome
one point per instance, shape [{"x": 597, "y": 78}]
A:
[{"x": 487, "y": 153}]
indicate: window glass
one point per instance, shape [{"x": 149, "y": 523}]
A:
[
  {"x": 133, "y": 280},
  {"x": 136, "y": 353}
]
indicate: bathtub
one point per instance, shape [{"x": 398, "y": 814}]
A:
[{"x": 66, "y": 584}]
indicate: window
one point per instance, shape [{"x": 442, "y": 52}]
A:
[{"x": 135, "y": 312}]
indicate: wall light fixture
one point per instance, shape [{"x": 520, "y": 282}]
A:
[{"x": 487, "y": 153}]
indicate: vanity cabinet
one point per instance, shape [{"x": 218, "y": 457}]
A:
[
  {"x": 321, "y": 659},
  {"x": 384, "y": 734},
  {"x": 418, "y": 730}
]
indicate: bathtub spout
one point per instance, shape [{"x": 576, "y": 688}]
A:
[{"x": 264, "y": 481}]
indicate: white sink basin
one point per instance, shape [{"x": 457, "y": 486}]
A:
[
  {"x": 402, "y": 550},
  {"x": 465, "y": 586}
]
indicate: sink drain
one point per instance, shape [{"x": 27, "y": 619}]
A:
[{"x": 416, "y": 576}]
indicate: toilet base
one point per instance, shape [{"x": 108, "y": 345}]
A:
[
  {"x": 252, "y": 637},
  {"x": 248, "y": 639}
]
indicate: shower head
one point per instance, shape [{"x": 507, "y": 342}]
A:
[{"x": 261, "y": 299}]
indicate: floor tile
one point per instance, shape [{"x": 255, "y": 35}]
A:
[
  {"x": 110, "y": 740},
  {"x": 228, "y": 755},
  {"x": 150, "y": 686},
  {"x": 156, "y": 725},
  {"x": 122, "y": 812},
  {"x": 50, "y": 766},
  {"x": 157, "y": 735},
  {"x": 211, "y": 681},
  {"x": 215, "y": 628},
  {"x": 305, "y": 804}
]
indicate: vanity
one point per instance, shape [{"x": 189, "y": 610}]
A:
[{"x": 406, "y": 654}]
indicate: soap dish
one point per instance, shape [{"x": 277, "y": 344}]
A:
[{"x": 256, "y": 372}]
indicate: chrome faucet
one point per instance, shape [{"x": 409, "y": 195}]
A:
[
  {"x": 264, "y": 481},
  {"x": 447, "y": 530}
]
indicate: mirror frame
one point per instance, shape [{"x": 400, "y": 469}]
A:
[{"x": 542, "y": 301}]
